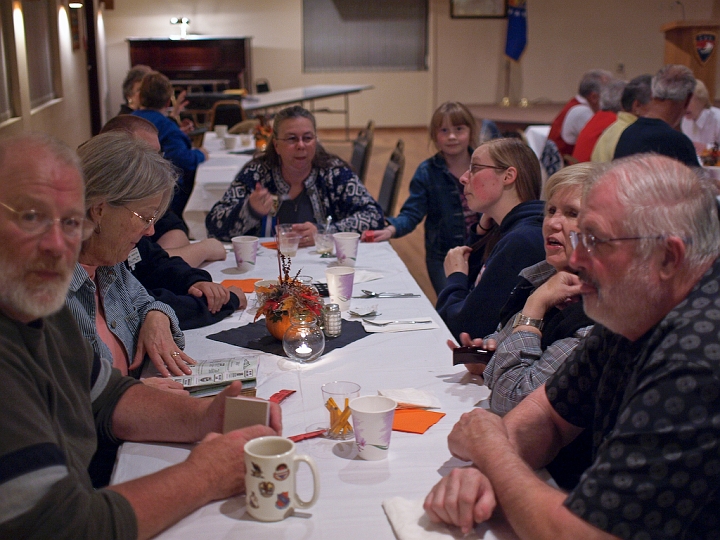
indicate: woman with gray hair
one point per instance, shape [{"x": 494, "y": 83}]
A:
[{"x": 128, "y": 185}]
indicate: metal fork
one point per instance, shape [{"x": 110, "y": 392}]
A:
[{"x": 394, "y": 322}]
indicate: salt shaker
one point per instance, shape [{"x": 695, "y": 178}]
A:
[{"x": 333, "y": 321}]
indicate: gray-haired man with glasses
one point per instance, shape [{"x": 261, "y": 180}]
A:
[
  {"x": 645, "y": 382},
  {"x": 58, "y": 398}
]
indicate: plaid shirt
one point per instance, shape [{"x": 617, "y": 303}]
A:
[{"x": 519, "y": 364}]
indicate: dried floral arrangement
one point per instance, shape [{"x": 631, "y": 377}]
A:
[{"x": 288, "y": 297}]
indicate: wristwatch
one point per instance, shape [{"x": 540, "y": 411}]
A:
[{"x": 522, "y": 320}]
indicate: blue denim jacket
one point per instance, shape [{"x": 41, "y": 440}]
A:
[
  {"x": 126, "y": 304},
  {"x": 435, "y": 193}
]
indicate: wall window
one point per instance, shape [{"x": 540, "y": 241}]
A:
[
  {"x": 6, "y": 103},
  {"x": 41, "y": 46},
  {"x": 362, "y": 35}
]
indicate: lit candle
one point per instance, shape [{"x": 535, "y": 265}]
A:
[{"x": 303, "y": 349}]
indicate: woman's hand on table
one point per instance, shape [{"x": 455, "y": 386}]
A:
[
  {"x": 467, "y": 341},
  {"x": 261, "y": 200},
  {"x": 462, "y": 498},
  {"x": 307, "y": 232},
  {"x": 215, "y": 294},
  {"x": 166, "y": 385},
  {"x": 156, "y": 341},
  {"x": 456, "y": 260}
]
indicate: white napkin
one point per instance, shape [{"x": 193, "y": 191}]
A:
[
  {"x": 412, "y": 397},
  {"x": 410, "y": 522},
  {"x": 400, "y": 327}
]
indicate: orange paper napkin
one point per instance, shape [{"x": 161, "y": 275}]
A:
[
  {"x": 245, "y": 285},
  {"x": 269, "y": 245},
  {"x": 415, "y": 420}
]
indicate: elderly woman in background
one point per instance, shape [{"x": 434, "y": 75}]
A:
[
  {"x": 543, "y": 321},
  {"x": 294, "y": 181},
  {"x": 127, "y": 186},
  {"x": 503, "y": 183},
  {"x": 702, "y": 121}
]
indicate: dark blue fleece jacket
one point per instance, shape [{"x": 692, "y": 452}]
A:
[{"x": 476, "y": 309}]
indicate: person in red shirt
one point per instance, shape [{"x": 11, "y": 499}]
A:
[
  {"x": 609, "y": 106},
  {"x": 576, "y": 113}
]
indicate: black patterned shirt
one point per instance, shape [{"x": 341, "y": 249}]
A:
[
  {"x": 653, "y": 406},
  {"x": 333, "y": 191}
]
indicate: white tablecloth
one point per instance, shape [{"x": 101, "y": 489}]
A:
[
  {"x": 211, "y": 181},
  {"x": 351, "y": 490}
]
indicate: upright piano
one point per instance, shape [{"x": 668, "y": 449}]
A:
[{"x": 197, "y": 62}]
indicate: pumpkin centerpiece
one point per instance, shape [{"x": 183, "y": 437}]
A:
[{"x": 287, "y": 298}]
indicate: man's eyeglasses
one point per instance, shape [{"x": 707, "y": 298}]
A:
[
  {"x": 292, "y": 140},
  {"x": 477, "y": 167},
  {"x": 590, "y": 241},
  {"x": 37, "y": 223},
  {"x": 148, "y": 221}
]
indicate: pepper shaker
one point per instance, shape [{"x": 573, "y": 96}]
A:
[{"x": 333, "y": 321}]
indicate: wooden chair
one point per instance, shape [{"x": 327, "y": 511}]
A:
[
  {"x": 392, "y": 178},
  {"x": 362, "y": 147},
  {"x": 226, "y": 112}
]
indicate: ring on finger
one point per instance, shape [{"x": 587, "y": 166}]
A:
[{"x": 174, "y": 354}]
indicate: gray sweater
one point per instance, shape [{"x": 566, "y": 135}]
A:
[{"x": 57, "y": 398}]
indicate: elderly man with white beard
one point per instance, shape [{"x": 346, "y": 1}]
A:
[
  {"x": 58, "y": 397},
  {"x": 645, "y": 382}
]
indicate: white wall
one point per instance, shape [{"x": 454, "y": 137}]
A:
[
  {"x": 67, "y": 117},
  {"x": 276, "y": 29},
  {"x": 466, "y": 60},
  {"x": 566, "y": 37}
]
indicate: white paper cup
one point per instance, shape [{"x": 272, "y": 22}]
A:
[
  {"x": 230, "y": 141},
  {"x": 340, "y": 285},
  {"x": 346, "y": 246},
  {"x": 272, "y": 466},
  {"x": 221, "y": 131},
  {"x": 372, "y": 418},
  {"x": 245, "y": 248}
]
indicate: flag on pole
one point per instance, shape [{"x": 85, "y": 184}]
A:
[{"x": 516, "y": 29}]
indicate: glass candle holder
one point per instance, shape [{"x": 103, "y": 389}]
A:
[{"x": 304, "y": 341}]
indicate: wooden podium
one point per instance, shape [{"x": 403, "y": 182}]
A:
[{"x": 692, "y": 44}]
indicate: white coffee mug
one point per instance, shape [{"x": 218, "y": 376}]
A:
[{"x": 270, "y": 469}]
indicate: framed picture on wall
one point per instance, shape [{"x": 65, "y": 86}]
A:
[{"x": 460, "y": 9}]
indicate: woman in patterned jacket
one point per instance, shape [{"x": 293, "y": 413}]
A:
[{"x": 294, "y": 181}]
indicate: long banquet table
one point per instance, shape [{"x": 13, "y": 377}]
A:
[{"x": 351, "y": 490}]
